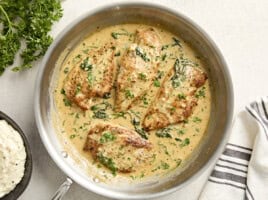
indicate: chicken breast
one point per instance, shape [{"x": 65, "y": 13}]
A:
[
  {"x": 176, "y": 98},
  {"x": 117, "y": 148},
  {"x": 138, "y": 68},
  {"x": 92, "y": 77}
]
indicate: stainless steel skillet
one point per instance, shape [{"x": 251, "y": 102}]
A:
[{"x": 221, "y": 86}]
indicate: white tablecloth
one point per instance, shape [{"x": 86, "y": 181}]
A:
[{"x": 239, "y": 28}]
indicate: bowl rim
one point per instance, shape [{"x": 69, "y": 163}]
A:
[
  {"x": 22, "y": 185},
  {"x": 66, "y": 168}
]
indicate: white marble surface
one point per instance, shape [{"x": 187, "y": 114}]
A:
[{"x": 240, "y": 30}]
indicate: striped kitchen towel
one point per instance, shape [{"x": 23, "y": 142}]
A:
[{"x": 241, "y": 172}]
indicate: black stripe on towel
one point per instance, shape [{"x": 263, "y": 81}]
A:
[
  {"x": 264, "y": 108},
  {"x": 229, "y": 176},
  {"x": 237, "y": 154},
  {"x": 230, "y": 184},
  {"x": 247, "y": 189},
  {"x": 235, "y": 145},
  {"x": 250, "y": 112},
  {"x": 232, "y": 168},
  {"x": 236, "y": 163}
]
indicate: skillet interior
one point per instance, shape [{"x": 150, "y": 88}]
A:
[{"x": 222, "y": 96}]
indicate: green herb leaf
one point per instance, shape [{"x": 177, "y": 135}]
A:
[
  {"x": 142, "y": 76},
  {"x": 144, "y": 99},
  {"x": 99, "y": 110},
  {"x": 141, "y": 132},
  {"x": 164, "y": 57},
  {"x": 107, "y": 162},
  {"x": 156, "y": 83},
  {"x": 164, "y": 165},
  {"x": 181, "y": 96},
  {"x": 67, "y": 102},
  {"x": 72, "y": 136},
  {"x": 164, "y": 133},
  {"x": 141, "y": 54},
  {"x": 107, "y": 137},
  {"x": 164, "y": 47},
  {"x": 119, "y": 114},
  {"x": 181, "y": 132},
  {"x": 116, "y": 34},
  {"x": 200, "y": 93},
  {"x": 66, "y": 70},
  {"x": 128, "y": 94},
  {"x": 100, "y": 114},
  {"x": 179, "y": 74},
  {"x": 185, "y": 142},
  {"x": 90, "y": 78},
  {"x": 85, "y": 65},
  {"x": 117, "y": 54},
  {"x": 176, "y": 42},
  {"x": 196, "y": 119}
]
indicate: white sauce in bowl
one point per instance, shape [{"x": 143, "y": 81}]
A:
[{"x": 12, "y": 158}]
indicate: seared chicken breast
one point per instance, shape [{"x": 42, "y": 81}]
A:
[
  {"x": 138, "y": 67},
  {"x": 92, "y": 77},
  {"x": 176, "y": 98},
  {"x": 118, "y": 148}
]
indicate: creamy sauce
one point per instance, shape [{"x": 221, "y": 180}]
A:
[
  {"x": 73, "y": 124},
  {"x": 12, "y": 158}
]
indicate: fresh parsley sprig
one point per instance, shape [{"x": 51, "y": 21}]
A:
[{"x": 26, "y": 24}]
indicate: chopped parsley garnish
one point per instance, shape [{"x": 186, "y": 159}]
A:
[
  {"x": 117, "y": 54},
  {"x": 67, "y": 102},
  {"x": 116, "y": 34},
  {"x": 181, "y": 96},
  {"x": 196, "y": 119},
  {"x": 178, "y": 161},
  {"x": 107, "y": 162},
  {"x": 128, "y": 94},
  {"x": 138, "y": 129},
  {"x": 141, "y": 132},
  {"x": 72, "y": 136},
  {"x": 66, "y": 70},
  {"x": 142, "y": 76},
  {"x": 100, "y": 114},
  {"x": 99, "y": 110},
  {"x": 164, "y": 47},
  {"x": 164, "y": 57},
  {"x": 179, "y": 74},
  {"x": 107, "y": 137},
  {"x": 185, "y": 142},
  {"x": 62, "y": 91},
  {"x": 160, "y": 74},
  {"x": 78, "y": 89},
  {"x": 181, "y": 132},
  {"x": 156, "y": 83},
  {"x": 164, "y": 133},
  {"x": 144, "y": 99},
  {"x": 176, "y": 42},
  {"x": 29, "y": 21},
  {"x": 90, "y": 78},
  {"x": 119, "y": 114},
  {"x": 164, "y": 165},
  {"x": 200, "y": 93},
  {"x": 141, "y": 54},
  {"x": 85, "y": 65}
]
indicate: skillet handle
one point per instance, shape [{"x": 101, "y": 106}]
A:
[{"x": 62, "y": 189}]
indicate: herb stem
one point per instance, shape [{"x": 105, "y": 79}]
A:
[{"x": 7, "y": 18}]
